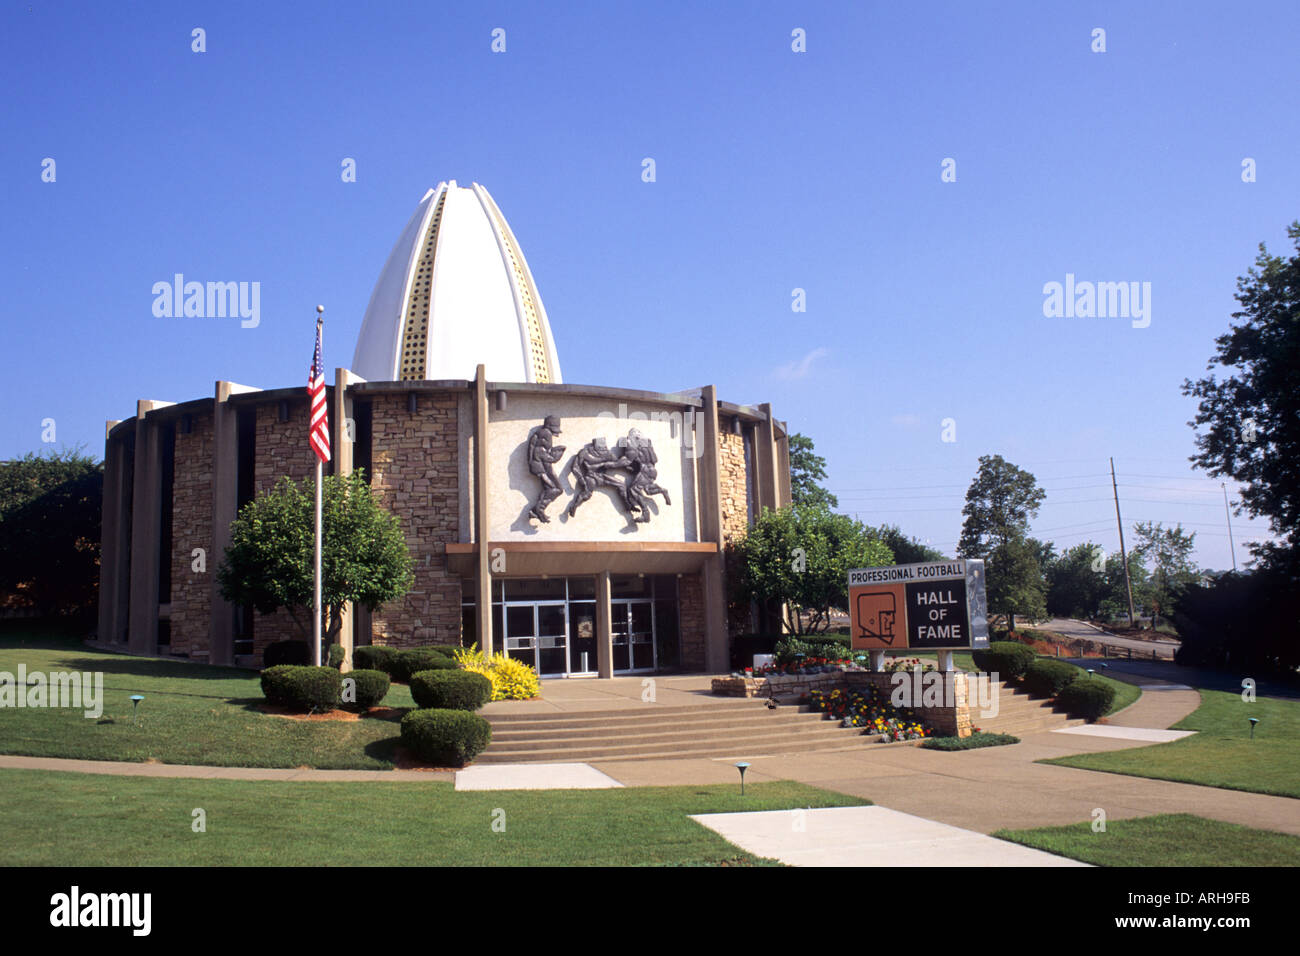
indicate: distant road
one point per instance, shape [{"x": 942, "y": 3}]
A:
[{"x": 1078, "y": 629}]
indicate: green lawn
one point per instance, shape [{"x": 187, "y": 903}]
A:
[
  {"x": 73, "y": 819},
  {"x": 1221, "y": 753},
  {"x": 1169, "y": 839},
  {"x": 191, "y": 714}
]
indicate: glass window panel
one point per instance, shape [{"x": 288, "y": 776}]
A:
[
  {"x": 582, "y": 589},
  {"x": 534, "y": 589},
  {"x": 629, "y": 586}
]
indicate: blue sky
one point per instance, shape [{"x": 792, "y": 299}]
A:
[{"x": 775, "y": 170}]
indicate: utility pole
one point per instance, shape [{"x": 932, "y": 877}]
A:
[
  {"x": 1123, "y": 555},
  {"x": 1228, "y": 512}
]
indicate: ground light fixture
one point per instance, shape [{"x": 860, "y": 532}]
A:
[
  {"x": 742, "y": 767},
  {"x": 135, "y": 707},
  {"x": 1253, "y": 722}
]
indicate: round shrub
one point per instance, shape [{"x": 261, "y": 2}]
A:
[
  {"x": 1086, "y": 697},
  {"x": 450, "y": 690},
  {"x": 412, "y": 660},
  {"x": 373, "y": 658},
  {"x": 1047, "y": 678},
  {"x": 302, "y": 687},
  {"x": 336, "y": 656},
  {"x": 369, "y": 687},
  {"x": 445, "y": 737},
  {"x": 1007, "y": 659},
  {"x": 286, "y": 652}
]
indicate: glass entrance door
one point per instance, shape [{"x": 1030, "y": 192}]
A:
[
  {"x": 634, "y": 635},
  {"x": 552, "y": 640}
]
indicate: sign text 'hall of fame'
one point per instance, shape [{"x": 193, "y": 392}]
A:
[{"x": 933, "y": 606}]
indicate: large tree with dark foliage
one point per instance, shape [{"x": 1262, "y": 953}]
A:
[
  {"x": 1251, "y": 418},
  {"x": 50, "y": 509}
]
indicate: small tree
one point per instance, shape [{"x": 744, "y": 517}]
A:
[
  {"x": 907, "y": 550},
  {"x": 800, "y": 556},
  {"x": 364, "y": 557},
  {"x": 1015, "y": 582},
  {"x": 999, "y": 503},
  {"x": 1169, "y": 553}
]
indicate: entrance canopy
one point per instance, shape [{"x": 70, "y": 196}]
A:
[{"x": 586, "y": 557}]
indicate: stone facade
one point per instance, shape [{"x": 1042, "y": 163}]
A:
[
  {"x": 280, "y": 448},
  {"x": 191, "y": 591},
  {"x": 416, "y": 476},
  {"x": 690, "y": 614},
  {"x": 733, "y": 479}
]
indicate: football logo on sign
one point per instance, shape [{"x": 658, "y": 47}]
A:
[{"x": 877, "y": 615}]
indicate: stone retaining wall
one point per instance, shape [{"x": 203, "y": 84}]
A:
[{"x": 944, "y": 720}]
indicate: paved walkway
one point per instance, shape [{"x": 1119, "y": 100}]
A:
[
  {"x": 867, "y": 836},
  {"x": 981, "y": 790}
]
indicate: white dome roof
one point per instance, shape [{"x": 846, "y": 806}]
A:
[{"x": 454, "y": 293}]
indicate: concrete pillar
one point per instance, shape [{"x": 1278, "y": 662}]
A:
[
  {"x": 344, "y": 434},
  {"x": 146, "y": 520},
  {"x": 112, "y": 550},
  {"x": 604, "y": 627},
  {"x": 716, "y": 649},
  {"x": 783, "y": 467},
  {"x": 482, "y": 527},
  {"x": 944, "y": 661},
  {"x": 766, "y": 485},
  {"x": 877, "y": 660}
]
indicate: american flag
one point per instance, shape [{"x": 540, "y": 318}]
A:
[{"x": 320, "y": 426}]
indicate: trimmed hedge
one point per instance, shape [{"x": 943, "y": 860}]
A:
[
  {"x": 336, "y": 656},
  {"x": 373, "y": 658},
  {"x": 302, "y": 687},
  {"x": 412, "y": 660},
  {"x": 400, "y": 663},
  {"x": 369, "y": 688},
  {"x": 445, "y": 737},
  {"x": 1007, "y": 659},
  {"x": 973, "y": 742},
  {"x": 286, "y": 652},
  {"x": 450, "y": 690},
  {"x": 1047, "y": 678},
  {"x": 1087, "y": 697}
]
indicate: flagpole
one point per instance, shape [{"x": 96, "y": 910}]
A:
[{"x": 315, "y": 601}]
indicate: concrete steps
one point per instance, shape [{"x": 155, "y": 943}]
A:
[
  {"x": 1019, "y": 714},
  {"x": 746, "y": 728}
]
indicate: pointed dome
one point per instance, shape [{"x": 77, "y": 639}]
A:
[{"x": 454, "y": 293}]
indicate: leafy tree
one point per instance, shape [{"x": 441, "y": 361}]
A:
[
  {"x": 907, "y": 550},
  {"x": 50, "y": 507},
  {"x": 1252, "y": 417},
  {"x": 1114, "y": 590},
  {"x": 999, "y": 504},
  {"x": 1169, "y": 553},
  {"x": 800, "y": 556},
  {"x": 364, "y": 557},
  {"x": 806, "y": 470},
  {"x": 1075, "y": 582},
  {"x": 1014, "y": 581}
]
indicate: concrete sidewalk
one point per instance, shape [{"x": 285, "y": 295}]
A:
[{"x": 867, "y": 836}]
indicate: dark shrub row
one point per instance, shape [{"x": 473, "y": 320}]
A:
[
  {"x": 1086, "y": 697},
  {"x": 1047, "y": 677},
  {"x": 450, "y": 689},
  {"x": 400, "y": 663},
  {"x": 448, "y": 738},
  {"x": 1007, "y": 659},
  {"x": 302, "y": 687},
  {"x": 368, "y": 688},
  {"x": 973, "y": 742}
]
